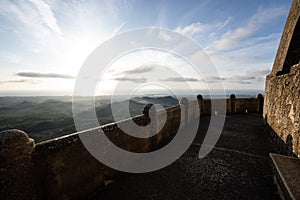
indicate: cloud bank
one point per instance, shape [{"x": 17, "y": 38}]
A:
[{"x": 44, "y": 75}]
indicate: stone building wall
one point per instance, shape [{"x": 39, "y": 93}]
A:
[
  {"x": 282, "y": 110},
  {"x": 281, "y": 60},
  {"x": 282, "y": 93}
]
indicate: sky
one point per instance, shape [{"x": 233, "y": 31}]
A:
[{"x": 44, "y": 43}]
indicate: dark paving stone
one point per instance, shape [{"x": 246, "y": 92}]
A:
[
  {"x": 237, "y": 168},
  {"x": 246, "y": 133}
]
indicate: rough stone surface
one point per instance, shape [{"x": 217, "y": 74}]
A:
[
  {"x": 12, "y": 138},
  {"x": 67, "y": 171},
  {"x": 282, "y": 109},
  {"x": 282, "y": 106},
  {"x": 282, "y": 93},
  {"x": 16, "y": 177}
]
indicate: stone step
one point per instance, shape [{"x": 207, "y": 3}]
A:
[{"x": 287, "y": 175}]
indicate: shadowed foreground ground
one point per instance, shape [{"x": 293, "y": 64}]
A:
[{"x": 237, "y": 168}]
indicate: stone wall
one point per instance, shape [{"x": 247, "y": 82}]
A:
[
  {"x": 282, "y": 110},
  {"x": 286, "y": 47},
  {"x": 234, "y": 106},
  {"x": 282, "y": 93},
  {"x": 62, "y": 168}
]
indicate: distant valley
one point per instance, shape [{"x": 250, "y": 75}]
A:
[{"x": 43, "y": 118}]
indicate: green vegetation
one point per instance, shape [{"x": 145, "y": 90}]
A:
[{"x": 44, "y": 118}]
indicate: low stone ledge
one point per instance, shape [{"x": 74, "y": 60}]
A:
[
  {"x": 62, "y": 141},
  {"x": 287, "y": 175}
]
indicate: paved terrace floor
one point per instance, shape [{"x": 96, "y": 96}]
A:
[{"x": 237, "y": 168}]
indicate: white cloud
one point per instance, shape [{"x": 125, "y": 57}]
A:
[
  {"x": 19, "y": 81},
  {"x": 181, "y": 79},
  {"x": 44, "y": 75},
  {"x": 139, "y": 70},
  {"x": 224, "y": 24},
  {"x": 164, "y": 36},
  {"x": 47, "y": 15},
  {"x": 237, "y": 79},
  {"x": 192, "y": 29},
  {"x": 237, "y": 37},
  {"x": 259, "y": 72},
  {"x": 255, "y": 52},
  {"x": 134, "y": 80},
  {"x": 31, "y": 20},
  {"x": 199, "y": 27},
  {"x": 118, "y": 29}
]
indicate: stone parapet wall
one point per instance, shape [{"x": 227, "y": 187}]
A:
[{"x": 62, "y": 168}]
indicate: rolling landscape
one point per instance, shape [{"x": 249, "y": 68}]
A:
[{"x": 44, "y": 118}]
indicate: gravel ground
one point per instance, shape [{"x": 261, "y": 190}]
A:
[{"x": 237, "y": 168}]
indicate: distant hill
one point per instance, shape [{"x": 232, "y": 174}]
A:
[
  {"x": 9, "y": 101},
  {"x": 166, "y": 101},
  {"x": 48, "y": 117}
]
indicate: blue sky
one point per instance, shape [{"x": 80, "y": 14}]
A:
[{"x": 44, "y": 43}]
